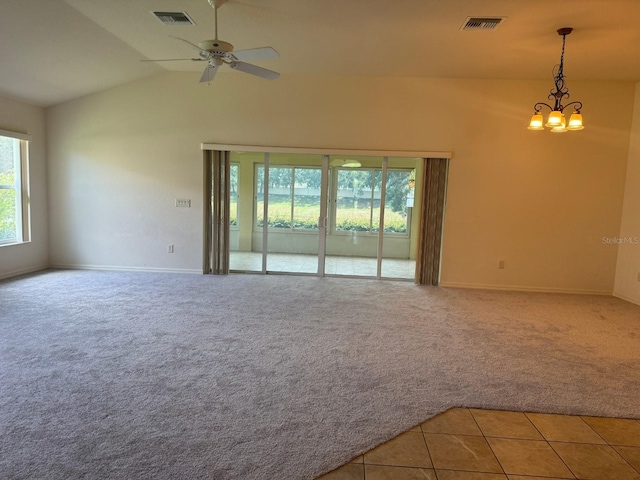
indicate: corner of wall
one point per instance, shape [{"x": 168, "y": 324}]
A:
[{"x": 627, "y": 279}]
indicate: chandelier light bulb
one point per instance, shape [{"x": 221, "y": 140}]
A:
[
  {"x": 555, "y": 119},
  {"x": 560, "y": 128},
  {"x": 575, "y": 121},
  {"x": 536, "y": 122}
]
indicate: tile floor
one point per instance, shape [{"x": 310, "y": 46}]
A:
[
  {"x": 470, "y": 444},
  {"x": 334, "y": 265}
]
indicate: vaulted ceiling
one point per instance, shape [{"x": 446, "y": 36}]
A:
[{"x": 55, "y": 50}]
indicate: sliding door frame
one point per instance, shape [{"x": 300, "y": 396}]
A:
[
  {"x": 325, "y": 151},
  {"x": 324, "y": 215},
  {"x": 209, "y": 148}
]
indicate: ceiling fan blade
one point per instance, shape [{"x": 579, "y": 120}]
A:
[
  {"x": 254, "y": 70},
  {"x": 209, "y": 73},
  {"x": 175, "y": 60},
  {"x": 187, "y": 42},
  {"x": 251, "y": 54}
]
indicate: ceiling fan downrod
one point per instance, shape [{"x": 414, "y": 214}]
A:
[{"x": 215, "y": 5}]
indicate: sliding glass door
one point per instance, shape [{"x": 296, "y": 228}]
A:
[
  {"x": 352, "y": 247},
  {"x": 401, "y": 225},
  {"x": 289, "y": 191},
  {"x": 371, "y": 231},
  {"x": 294, "y": 226},
  {"x": 314, "y": 214}
]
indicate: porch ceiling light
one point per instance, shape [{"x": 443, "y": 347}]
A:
[{"x": 345, "y": 162}]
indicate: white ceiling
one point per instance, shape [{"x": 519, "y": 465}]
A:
[{"x": 56, "y": 50}]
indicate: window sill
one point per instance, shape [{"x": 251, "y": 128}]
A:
[{"x": 12, "y": 243}]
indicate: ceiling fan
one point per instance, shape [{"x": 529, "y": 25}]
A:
[{"x": 218, "y": 52}]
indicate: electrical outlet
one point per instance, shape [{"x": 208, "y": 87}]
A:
[
  {"x": 169, "y": 248},
  {"x": 501, "y": 264},
  {"x": 183, "y": 202}
]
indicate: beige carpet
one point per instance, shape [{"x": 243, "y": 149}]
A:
[{"x": 132, "y": 375}]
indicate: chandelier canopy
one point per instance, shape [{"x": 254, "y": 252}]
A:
[{"x": 556, "y": 119}]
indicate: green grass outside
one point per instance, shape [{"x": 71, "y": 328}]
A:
[{"x": 348, "y": 220}]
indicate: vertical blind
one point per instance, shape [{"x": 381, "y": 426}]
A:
[
  {"x": 217, "y": 197},
  {"x": 434, "y": 181}
]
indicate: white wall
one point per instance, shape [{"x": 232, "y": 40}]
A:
[
  {"x": 27, "y": 257},
  {"x": 627, "y": 283},
  {"x": 539, "y": 201}
]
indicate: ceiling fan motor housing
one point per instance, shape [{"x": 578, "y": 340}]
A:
[{"x": 216, "y": 46}]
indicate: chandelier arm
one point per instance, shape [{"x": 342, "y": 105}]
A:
[
  {"x": 577, "y": 108},
  {"x": 538, "y": 107}
]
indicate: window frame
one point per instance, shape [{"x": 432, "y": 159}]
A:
[{"x": 20, "y": 187}]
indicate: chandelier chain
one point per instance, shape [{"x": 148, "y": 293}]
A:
[{"x": 561, "y": 70}]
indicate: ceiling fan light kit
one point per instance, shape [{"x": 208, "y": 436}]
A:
[
  {"x": 217, "y": 52},
  {"x": 556, "y": 119}
]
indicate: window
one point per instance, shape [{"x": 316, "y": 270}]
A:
[
  {"x": 398, "y": 197},
  {"x": 14, "y": 188},
  {"x": 357, "y": 197},
  {"x": 294, "y": 198},
  {"x": 358, "y": 201},
  {"x": 233, "y": 200}
]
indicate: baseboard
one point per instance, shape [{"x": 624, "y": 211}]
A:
[
  {"x": 24, "y": 271},
  {"x": 635, "y": 301},
  {"x": 521, "y": 288},
  {"x": 112, "y": 268}
]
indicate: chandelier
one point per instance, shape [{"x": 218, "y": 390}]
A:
[{"x": 556, "y": 120}]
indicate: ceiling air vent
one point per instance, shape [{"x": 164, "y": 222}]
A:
[
  {"x": 482, "y": 23},
  {"x": 174, "y": 18}
]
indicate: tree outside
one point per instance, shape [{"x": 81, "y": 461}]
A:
[{"x": 358, "y": 200}]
